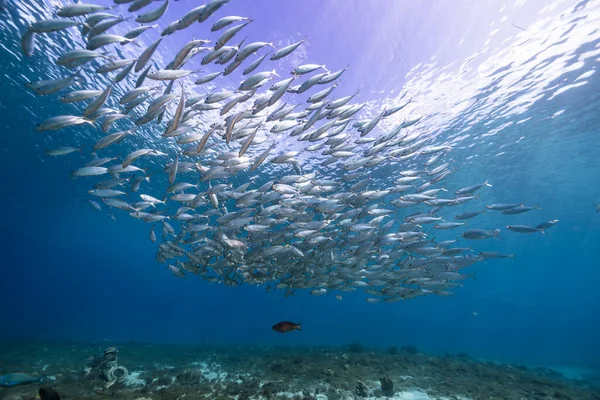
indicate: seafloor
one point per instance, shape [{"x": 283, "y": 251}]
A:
[{"x": 168, "y": 372}]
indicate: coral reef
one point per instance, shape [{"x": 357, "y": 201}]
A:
[
  {"x": 387, "y": 386},
  {"x": 410, "y": 349},
  {"x": 162, "y": 372},
  {"x": 355, "y": 348},
  {"x": 361, "y": 389}
]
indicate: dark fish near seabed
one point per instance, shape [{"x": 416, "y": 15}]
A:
[
  {"x": 47, "y": 393},
  {"x": 18, "y": 378},
  {"x": 286, "y": 326}
]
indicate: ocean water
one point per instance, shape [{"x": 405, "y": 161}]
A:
[{"x": 511, "y": 86}]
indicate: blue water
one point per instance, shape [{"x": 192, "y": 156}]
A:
[{"x": 496, "y": 92}]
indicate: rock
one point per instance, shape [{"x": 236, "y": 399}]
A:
[
  {"x": 190, "y": 376},
  {"x": 361, "y": 389},
  {"x": 387, "y": 386},
  {"x": 12, "y": 397}
]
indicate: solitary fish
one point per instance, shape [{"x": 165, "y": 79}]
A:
[
  {"x": 286, "y": 326},
  {"x": 18, "y": 378}
]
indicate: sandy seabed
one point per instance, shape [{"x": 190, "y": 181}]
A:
[{"x": 173, "y": 372}]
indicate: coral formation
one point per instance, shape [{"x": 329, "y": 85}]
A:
[
  {"x": 361, "y": 389},
  {"x": 158, "y": 372},
  {"x": 387, "y": 386}
]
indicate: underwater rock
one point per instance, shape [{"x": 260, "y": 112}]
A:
[
  {"x": 387, "y": 386},
  {"x": 410, "y": 349},
  {"x": 355, "y": 348},
  {"x": 269, "y": 389},
  {"x": 189, "y": 376},
  {"x": 12, "y": 397},
  {"x": 361, "y": 389},
  {"x": 47, "y": 393},
  {"x": 101, "y": 365},
  {"x": 146, "y": 377},
  {"x": 164, "y": 381}
]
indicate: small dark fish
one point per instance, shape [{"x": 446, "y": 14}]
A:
[
  {"x": 286, "y": 326},
  {"x": 47, "y": 393}
]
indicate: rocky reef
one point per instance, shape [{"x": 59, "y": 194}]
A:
[{"x": 243, "y": 372}]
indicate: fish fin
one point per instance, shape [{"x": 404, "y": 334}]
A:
[
  {"x": 299, "y": 327},
  {"x": 497, "y": 234},
  {"x": 133, "y": 42},
  {"x": 487, "y": 183}
]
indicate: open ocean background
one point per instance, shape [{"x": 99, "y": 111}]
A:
[{"x": 523, "y": 109}]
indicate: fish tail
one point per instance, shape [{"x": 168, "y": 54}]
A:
[
  {"x": 487, "y": 183},
  {"x": 298, "y": 327},
  {"x": 133, "y": 42}
]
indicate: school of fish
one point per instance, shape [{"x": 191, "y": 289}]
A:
[{"x": 317, "y": 219}]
